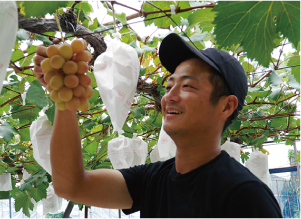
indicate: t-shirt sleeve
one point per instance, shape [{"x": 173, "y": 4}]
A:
[
  {"x": 252, "y": 200},
  {"x": 134, "y": 181}
]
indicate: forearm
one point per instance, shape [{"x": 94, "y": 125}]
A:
[{"x": 66, "y": 153}]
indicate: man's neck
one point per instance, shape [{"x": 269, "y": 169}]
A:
[{"x": 195, "y": 153}]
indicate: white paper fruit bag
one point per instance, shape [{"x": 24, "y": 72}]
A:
[
  {"x": 116, "y": 72},
  {"x": 52, "y": 204},
  {"x": 126, "y": 152},
  {"x": 166, "y": 145},
  {"x": 258, "y": 165},
  {"x": 40, "y": 135},
  {"x": 140, "y": 150},
  {"x": 154, "y": 155},
  {"x": 8, "y": 31},
  {"x": 233, "y": 149},
  {"x": 5, "y": 182}
]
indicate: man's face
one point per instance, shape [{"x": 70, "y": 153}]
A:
[{"x": 186, "y": 104}]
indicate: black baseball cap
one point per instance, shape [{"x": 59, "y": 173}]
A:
[{"x": 174, "y": 50}]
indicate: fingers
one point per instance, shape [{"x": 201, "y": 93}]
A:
[
  {"x": 40, "y": 74},
  {"x": 38, "y": 59},
  {"x": 41, "y": 55},
  {"x": 41, "y": 50}
]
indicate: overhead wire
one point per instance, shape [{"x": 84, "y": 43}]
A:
[{"x": 166, "y": 15}]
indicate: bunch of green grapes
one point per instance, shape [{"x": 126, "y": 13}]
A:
[{"x": 64, "y": 72}]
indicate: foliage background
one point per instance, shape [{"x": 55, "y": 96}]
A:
[{"x": 251, "y": 31}]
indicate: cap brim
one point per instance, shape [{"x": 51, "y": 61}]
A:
[{"x": 174, "y": 50}]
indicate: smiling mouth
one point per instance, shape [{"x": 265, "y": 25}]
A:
[{"x": 174, "y": 112}]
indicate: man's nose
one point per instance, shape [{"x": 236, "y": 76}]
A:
[{"x": 173, "y": 94}]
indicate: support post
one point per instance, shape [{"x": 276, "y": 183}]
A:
[
  {"x": 9, "y": 199},
  {"x": 68, "y": 210},
  {"x": 297, "y": 162}
]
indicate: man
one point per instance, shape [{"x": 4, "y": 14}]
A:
[{"x": 204, "y": 94}]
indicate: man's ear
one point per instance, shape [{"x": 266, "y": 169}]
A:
[{"x": 228, "y": 106}]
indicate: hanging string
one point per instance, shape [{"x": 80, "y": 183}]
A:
[
  {"x": 168, "y": 15},
  {"x": 114, "y": 19}
]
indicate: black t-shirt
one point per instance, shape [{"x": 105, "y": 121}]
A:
[{"x": 220, "y": 188}]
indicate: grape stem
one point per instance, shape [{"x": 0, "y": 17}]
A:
[{"x": 59, "y": 26}]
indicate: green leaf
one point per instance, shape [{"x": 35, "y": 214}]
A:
[
  {"x": 3, "y": 167},
  {"x": 288, "y": 20},
  {"x": 40, "y": 192},
  {"x": 92, "y": 147},
  {"x": 35, "y": 179},
  {"x": 244, "y": 157},
  {"x": 298, "y": 157},
  {"x": 203, "y": 17},
  {"x": 88, "y": 124},
  {"x": 19, "y": 147},
  {"x": 36, "y": 94},
  {"x": 139, "y": 112},
  {"x": 235, "y": 126},
  {"x": 289, "y": 142},
  {"x": 50, "y": 113},
  {"x": 22, "y": 200},
  {"x": 255, "y": 92},
  {"x": 22, "y": 34},
  {"x": 44, "y": 39},
  {"x": 275, "y": 79},
  {"x": 250, "y": 23},
  {"x": 295, "y": 70},
  {"x": 293, "y": 83},
  {"x": 41, "y": 8},
  {"x": 24, "y": 114},
  {"x": 165, "y": 22},
  {"x": 7, "y": 131},
  {"x": 24, "y": 133},
  {"x": 104, "y": 165},
  {"x": 18, "y": 54},
  {"x": 257, "y": 142},
  {"x": 4, "y": 194},
  {"x": 32, "y": 168}
]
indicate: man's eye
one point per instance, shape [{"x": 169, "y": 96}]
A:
[
  {"x": 167, "y": 88},
  {"x": 186, "y": 85}
]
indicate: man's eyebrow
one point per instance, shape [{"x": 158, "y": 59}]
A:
[{"x": 184, "y": 77}]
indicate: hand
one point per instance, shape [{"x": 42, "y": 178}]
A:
[{"x": 41, "y": 55}]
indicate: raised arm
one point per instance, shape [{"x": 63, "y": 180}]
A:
[{"x": 102, "y": 188}]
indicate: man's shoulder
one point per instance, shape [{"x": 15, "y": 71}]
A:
[
  {"x": 151, "y": 169},
  {"x": 233, "y": 172}
]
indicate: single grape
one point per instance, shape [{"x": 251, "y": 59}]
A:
[
  {"x": 48, "y": 87},
  {"x": 66, "y": 51},
  {"x": 46, "y": 66},
  {"x": 57, "y": 61},
  {"x": 85, "y": 44},
  {"x": 65, "y": 94},
  {"x": 84, "y": 104},
  {"x": 48, "y": 75},
  {"x": 70, "y": 67},
  {"x": 77, "y": 46},
  {"x": 82, "y": 56},
  {"x": 57, "y": 81},
  {"x": 84, "y": 80},
  {"x": 82, "y": 67},
  {"x": 61, "y": 106},
  {"x": 71, "y": 81},
  {"x": 52, "y": 50},
  {"x": 54, "y": 96},
  {"x": 78, "y": 91},
  {"x": 88, "y": 92},
  {"x": 73, "y": 104}
]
